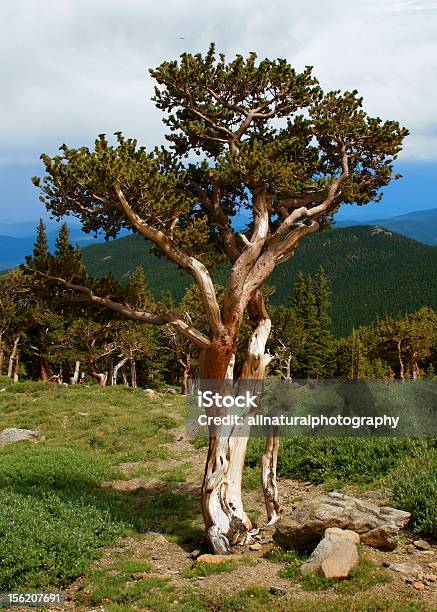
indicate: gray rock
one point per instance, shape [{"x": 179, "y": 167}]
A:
[
  {"x": 8, "y": 436},
  {"x": 194, "y": 554},
  {"x": 278, "y": 591},
  {"x": 411, "y": 569},
  {"x": 335, "y": 555},
  {"x": 308, "y": 521},
  {"x": 422, "y": 545}
]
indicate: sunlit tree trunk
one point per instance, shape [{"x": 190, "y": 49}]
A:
[
  {"x": 270, "y": 487},
  {"x": 16, "y": 368},
  {"x": 116, "y": 369},
  {"x": 225, "y": 518},
  {"x": 75, "y": 377},
  {"x": 133, "y": 373},
  {"x": 13, "y": 359},
  {"x": 413, "y": 367}
]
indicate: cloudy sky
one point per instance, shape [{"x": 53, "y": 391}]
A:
[{"x": 71, "y": 69}]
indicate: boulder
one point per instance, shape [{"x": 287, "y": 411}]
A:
[
  {"x": 343, "y": 533},
  {"x": 8, "y": 436},
  {"x": 411, "y": 569},
  {"x": 384, "y": 537},
  {"x": 335, "y": 555},
  {"x": 339, "y": 564},
  {"x": 422, "y": 545},
  {"x": 308, "y": 521},
  {"x": 151, "y": 394},
  {"x": 278, "y": 591}
]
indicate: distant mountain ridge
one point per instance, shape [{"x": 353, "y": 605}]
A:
[
  {"x": 420, "y": 225},
  {"x": 372, "y": 271},
  {"x": 17, "y": 240}
]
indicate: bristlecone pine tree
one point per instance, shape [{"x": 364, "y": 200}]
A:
[{"x": 271, "y": 143}]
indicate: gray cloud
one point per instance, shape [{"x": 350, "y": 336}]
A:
[{"x": 73, "y": 68}]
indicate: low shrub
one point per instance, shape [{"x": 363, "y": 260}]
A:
[
  {"x": 414, "y": 484},
  {"x": 51, "y": 522},
  {"x": 343, "y": 460}
]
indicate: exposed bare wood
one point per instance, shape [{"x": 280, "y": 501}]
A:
[{"x": 193, "y": 266}]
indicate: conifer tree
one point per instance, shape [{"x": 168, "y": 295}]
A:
[
  {"x": 270, "y": 142},
  {"x": 324, "y": 342},
  {"x": 40, "y": 257},
  {"x": 67, "y": 260}
]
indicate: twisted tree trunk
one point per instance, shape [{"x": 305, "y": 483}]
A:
[
  {"x": 270, "y": 487},
  {"x": 98, "y": 376},
  {"x": 225, "y": 519}
]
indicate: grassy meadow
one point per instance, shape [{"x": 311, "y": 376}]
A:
[{"x": 63, "y": 515}]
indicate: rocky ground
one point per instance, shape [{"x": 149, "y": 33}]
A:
[{"x": 411, "y": 569}]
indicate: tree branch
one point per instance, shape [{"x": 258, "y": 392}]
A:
[
  {"x": 171, "y": 317},
  {"x": 244, "y": 264},
  {"x": 191, "y": 265}
]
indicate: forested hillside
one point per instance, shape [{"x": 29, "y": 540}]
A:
[{"x": 372, "y": 272}]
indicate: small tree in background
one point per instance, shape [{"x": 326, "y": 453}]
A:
[
  {"x": 272, "y": 144},
  {"x": 302, "y": 344}
]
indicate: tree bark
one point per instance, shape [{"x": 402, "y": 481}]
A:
[
  {"x": 16, "y": 368},
  {"x": 133, "y": 373},
  {"x": 99, "y": 376},
  {"x": 44, "y": 370},
  {"x": 75, "y": 377},
  {"x": 401, "y": 363},
  {"x": 225, "y": 519},
  {"x": 2, "y": 353},
  {"x": 115, "y": 369},
  {"x": 413, "y": 367},
  {"x": 270, "y": 487},
  {"x": 254, "y": 369},
  {"x": 12, "y": 368},
  {"x": 185, "y": 362}
]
